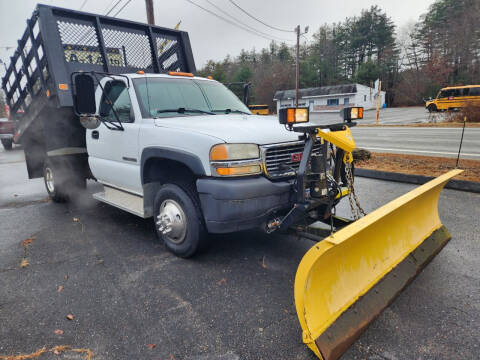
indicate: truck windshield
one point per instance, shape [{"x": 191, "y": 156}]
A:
[{"x": 163, "y": 97}]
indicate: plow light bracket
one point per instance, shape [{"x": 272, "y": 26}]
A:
[
  {"x": 352, "y": 113},
  {"x": 290, "y": 116}
]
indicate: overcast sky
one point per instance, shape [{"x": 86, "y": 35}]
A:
[{"x": 211, "y": 37}]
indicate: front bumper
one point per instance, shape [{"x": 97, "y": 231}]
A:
[{"x": 239, "y": 204}]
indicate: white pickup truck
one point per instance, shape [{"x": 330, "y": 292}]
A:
[
  {"x": 164, "y": 143},
  {"x": 188, "y": 152}
]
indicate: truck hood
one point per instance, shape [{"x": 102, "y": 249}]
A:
[{"x": 233, "y": 128}]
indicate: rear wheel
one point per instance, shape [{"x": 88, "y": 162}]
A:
[
  {"x": 178, "y": 220},
  {"x": 7, "y": 144},
  {"x": 432, "y": 108},
  {"x": 61, "y": 184}
]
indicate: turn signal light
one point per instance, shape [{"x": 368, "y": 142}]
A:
[
  {"x": 292, "y": 116},
  {"x": 352, "y": 113},
  {"x": 240, "y": 170}
]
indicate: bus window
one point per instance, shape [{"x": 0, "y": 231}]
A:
[
  {"x": 475, "y": 91},
  {"x": 466, "y": 92}
]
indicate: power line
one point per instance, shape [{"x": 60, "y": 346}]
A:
[
  {"x": 113, "y": 7},
  {"x": 242, "y": 23},
  {"x": 83, "y": 4},
  {"x": 260, "y": 21},
  {"x": 108, "y": 6},
  {"x": 123, "y": 7},
  {"x": 229, "y": 21}
]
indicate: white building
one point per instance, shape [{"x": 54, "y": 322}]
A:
[{"x": 330, "y": 98}]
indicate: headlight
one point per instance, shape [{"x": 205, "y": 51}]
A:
[
  {"x": 235, "y": 160},
  {"x": 226, "y": 152}
]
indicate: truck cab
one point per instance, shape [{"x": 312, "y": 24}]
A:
[{"x": 186, "y": 151}]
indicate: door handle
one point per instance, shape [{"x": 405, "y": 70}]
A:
[{"x": 95, "y": 134}]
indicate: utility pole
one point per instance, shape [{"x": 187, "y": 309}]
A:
[
  {"x": 297, "y": 67},
  {"x": 150, "y": 14},
  {"x": 297, "y": 29},
  {"x": 379, "y": 100}
]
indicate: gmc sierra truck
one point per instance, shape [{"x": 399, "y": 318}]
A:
[{"x": 118, "y": 102}]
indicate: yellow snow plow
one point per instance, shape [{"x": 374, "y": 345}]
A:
[
  {"x": 348, "y": 278},
  {"x": 344, "y": 282}
]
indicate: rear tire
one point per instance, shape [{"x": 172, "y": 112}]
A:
[
  {"x": 7, "y": 144},
  {"x": 177, "y": 208},
  {"x": 432, "y": 108},
  {"x": 61, "y": 184}
]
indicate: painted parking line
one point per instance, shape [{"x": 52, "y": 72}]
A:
[{"x": 421, "y": 151}]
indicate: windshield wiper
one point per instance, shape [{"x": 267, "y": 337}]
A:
[
  {"x": 228, "y": 111},
  {"x": 183, "y": 111}
]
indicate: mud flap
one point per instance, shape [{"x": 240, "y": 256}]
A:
[{"x": 345, "y": 281}]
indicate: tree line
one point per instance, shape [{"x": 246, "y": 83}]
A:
[{"x": 442, "y": 48}]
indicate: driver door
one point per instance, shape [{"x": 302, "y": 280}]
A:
[{"x": 113, "y": 154}]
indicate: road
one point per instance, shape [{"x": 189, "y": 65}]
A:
[
  {"x": 234, "y": 301},
  {"x": 388, "y": 116},
  {"x": 443, "y": 142}
]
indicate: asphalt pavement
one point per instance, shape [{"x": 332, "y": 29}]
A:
[
  {"x": 131, "y": 299},
  {"x": 428, "y": 141},
  {"x": 388, "y": 116}
]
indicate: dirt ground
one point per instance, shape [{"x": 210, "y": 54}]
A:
[
  {"x": 446, "y": 124},
  {"x": 421, "y": 165}
]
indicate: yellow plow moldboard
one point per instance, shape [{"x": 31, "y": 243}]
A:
[{"x": 345, "y": 281}]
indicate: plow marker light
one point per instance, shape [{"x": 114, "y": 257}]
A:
[{"x": 345, "y": 281}]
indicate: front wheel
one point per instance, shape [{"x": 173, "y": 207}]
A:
[
  {"x": 7, "y": 144},
  {"x": 178, "y": 220},
  {"x": 432, "y": 108}
]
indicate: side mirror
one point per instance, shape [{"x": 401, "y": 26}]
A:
[
  {"x": 84, "y": 98},
  {"x": 90, "y": 122},
  {"x": 352, "y": 113}
]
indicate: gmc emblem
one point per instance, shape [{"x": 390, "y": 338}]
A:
[{"x": 296, "y": 157}]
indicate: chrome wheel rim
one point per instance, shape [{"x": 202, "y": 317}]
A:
[
  {"x": 49, "y": 180},
  {"x": 172, "y": 222}
]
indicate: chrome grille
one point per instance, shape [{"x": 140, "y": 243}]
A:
[{"x": 276, "y": 155}]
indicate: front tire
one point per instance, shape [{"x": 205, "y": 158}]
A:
[
  {"x": 178, "y": 220},
  {"x": 7, "y": 144},
  {"x": 432, "y": 108}
]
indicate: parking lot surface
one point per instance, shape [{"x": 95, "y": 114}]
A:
[{"x": 131, "y": 299}]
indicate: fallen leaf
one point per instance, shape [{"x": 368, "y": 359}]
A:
[
  {"x": 70, "y": 317},
  {"x": 151, "y": 346},
  {"x": 24, "y": 263},
  {"x": 27, "y": 241},
  {"x": 222, "y": 281},
  {"x": 76, "y": 219},
  {"x": 60, "y": 288},
  {"x": 58, "y": 332},
  {"x": 263, "y": 263}
]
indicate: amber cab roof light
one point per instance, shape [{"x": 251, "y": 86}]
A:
[{"x": 179, "y": 73}]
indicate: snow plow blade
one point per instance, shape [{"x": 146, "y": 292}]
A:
[{"x": 345, "y": 281}]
